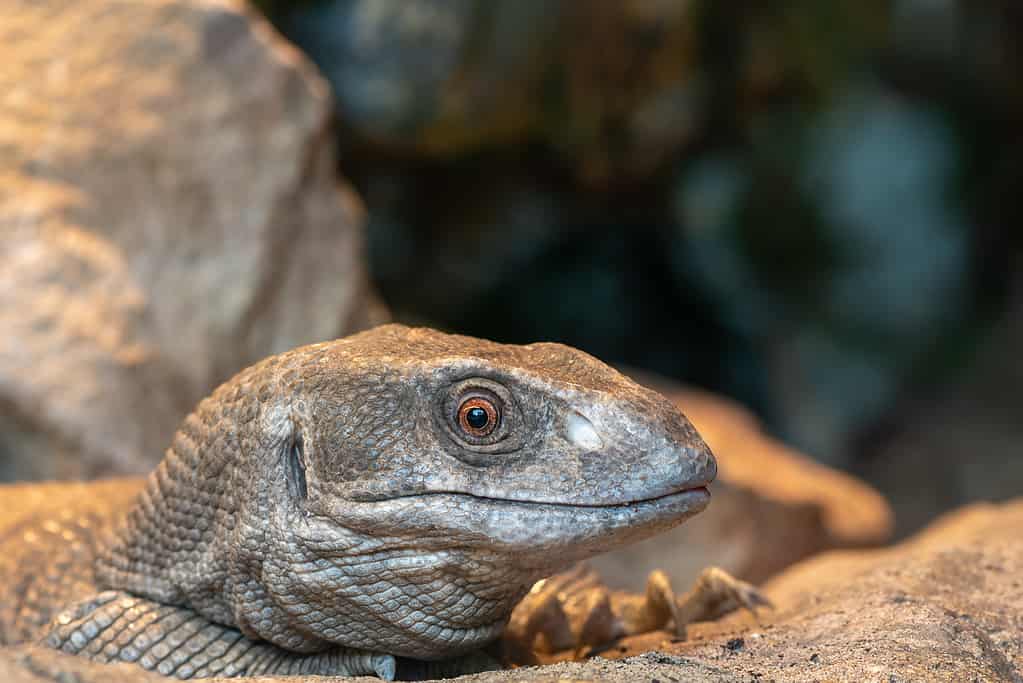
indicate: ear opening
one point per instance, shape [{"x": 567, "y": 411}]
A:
[{"x": 296, "y": 469}]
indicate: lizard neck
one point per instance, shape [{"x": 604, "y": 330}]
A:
[
  {"x": 182, "y": 543},
  {"x": 200, "y": 534}
]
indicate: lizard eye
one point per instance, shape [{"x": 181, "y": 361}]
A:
[{"x": 478, "y": 416}]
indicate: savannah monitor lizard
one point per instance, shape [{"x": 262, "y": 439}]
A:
[{"x": 348, "y": 505}]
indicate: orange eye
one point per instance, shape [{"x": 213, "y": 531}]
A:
[{"x": 478, "y": 417}]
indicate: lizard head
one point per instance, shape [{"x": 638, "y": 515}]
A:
[
  {"x": 400, "y": 412},
  {"x": 401, "y": 489}
]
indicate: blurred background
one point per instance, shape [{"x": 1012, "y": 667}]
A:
[{"x": 809, "y": 207}]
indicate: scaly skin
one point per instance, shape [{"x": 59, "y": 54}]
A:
[{"x": 330, "y": 509}]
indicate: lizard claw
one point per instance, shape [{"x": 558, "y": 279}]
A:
[
  {"x": 741, "y": 593},
  {"x": 716, "y": 593},
  {"x": 749, "y": 596}
]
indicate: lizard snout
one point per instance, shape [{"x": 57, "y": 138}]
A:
[{"x": 636, "y": 446}]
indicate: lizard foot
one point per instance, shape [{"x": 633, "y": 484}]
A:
[
  {"x": 563, "y": 612},
  {"x": 576, "y": 611}
]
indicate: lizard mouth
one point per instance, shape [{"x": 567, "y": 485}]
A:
[{"x": 694, "y": 493}]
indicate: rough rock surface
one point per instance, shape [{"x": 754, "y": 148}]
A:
[
  {"x": 36, "y": 665},
  {"x": 945, "y": 605},
  {"x": 169, "y": 213},
  {"x": 771, "y": 506}
]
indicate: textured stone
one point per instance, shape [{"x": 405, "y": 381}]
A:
[
  {"x": 169, "y": 213},
  {"x": 771, "y": 506},
  {"x": 35, "y": 665},
  {"x": 946, "y": 605}
]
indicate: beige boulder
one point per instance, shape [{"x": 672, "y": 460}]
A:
[
  {"x": 945, "y": 605},
  {"x": 169, "y": 213}
]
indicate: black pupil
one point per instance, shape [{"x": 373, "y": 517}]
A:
[{"x": 477, "y": 418}]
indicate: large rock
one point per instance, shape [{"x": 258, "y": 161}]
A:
[
  {"x": 169, "y": 213},
  {"x": 771, "y": 506}
]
